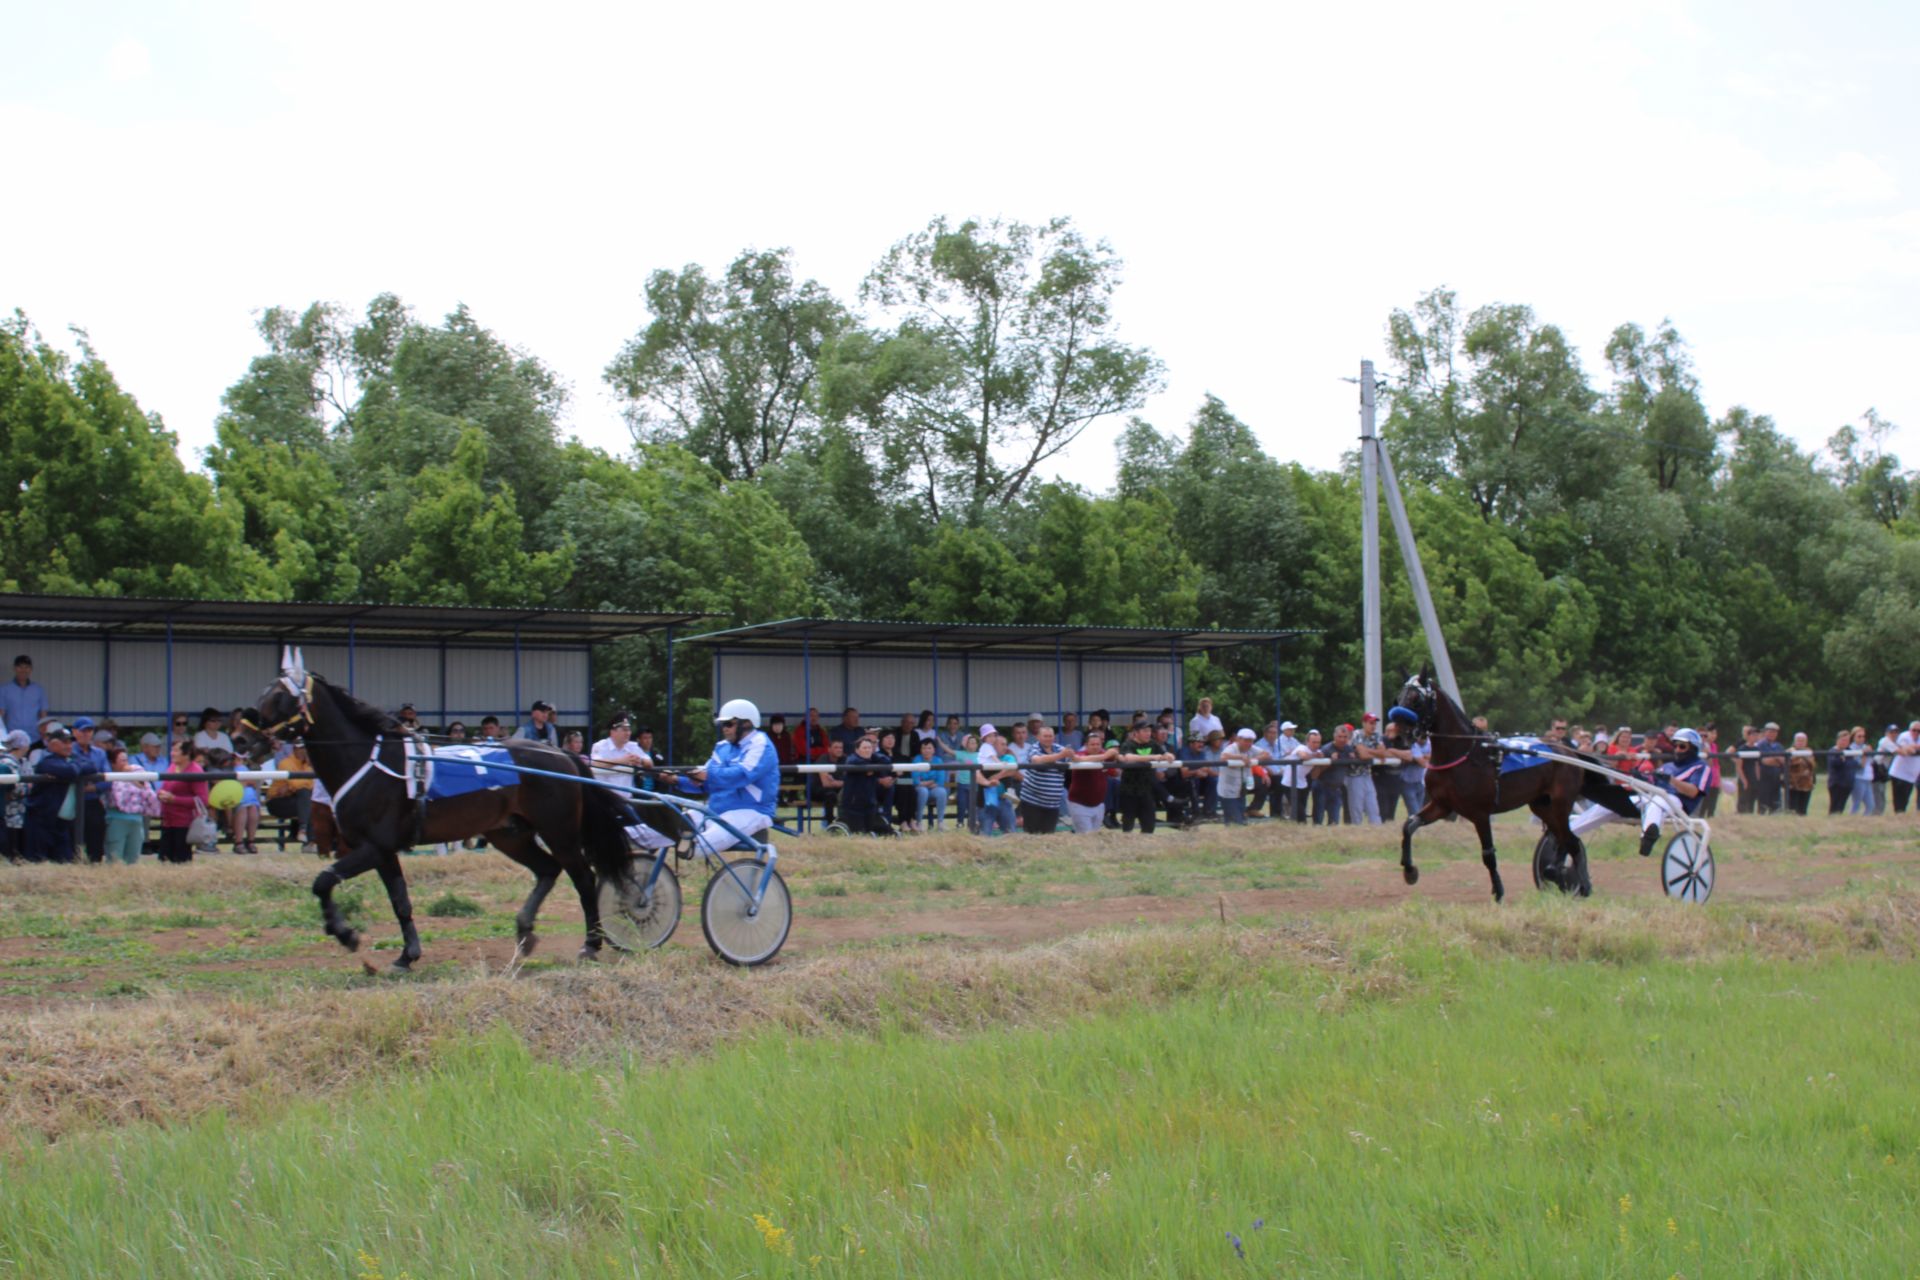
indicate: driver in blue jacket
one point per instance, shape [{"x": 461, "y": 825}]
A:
[
  {"x": 742, "y": 778},
  {"x": 1685, "y": 778}
]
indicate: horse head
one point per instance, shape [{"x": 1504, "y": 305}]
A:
[
  {"x": 283, "y": 706},
  {"x": 1419, "y": 696}
]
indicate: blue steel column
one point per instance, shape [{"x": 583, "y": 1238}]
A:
[
  {"x": 519, "y": 707},
  {"x": 1276, "y": 680},
  {"x": 169, "y": 686},
  {"x": 669, "y": 695},
  {"x": 806, "y": 727},
  {"x": 936, "y": 684},
  {"x": 1059, "y": 687},
  {"x": 443, "y": 686},
  {"x": 1173, "y": 681},
  {"x": 589, "y": 693},
  {"x": 350, "y": 638},
  {"x": 106, "y": 676}
]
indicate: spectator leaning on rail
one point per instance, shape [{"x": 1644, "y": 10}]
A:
[
  {"x": 1043, "y": 785},
  {"x": 1840, "y": 773},
  {"x": 1363, "y": 802},
  {"x": 1883, "y": 758},
  {"x": 93, "y": 797},
  {"x": 1904, "y": 772},
  {"x": 1866, "y": 773},
  {"x": 51, "y": 808},
  {"x": 743, "y": 780},
  {"x": 13, "y": 799},
  {"x": 1136, "y": 783},
  {"x": 1236, "y": 768},
  {"x": 1799, "y": 776}
]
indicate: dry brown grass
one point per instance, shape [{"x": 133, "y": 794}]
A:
[{"x": 169, "y": 1058}]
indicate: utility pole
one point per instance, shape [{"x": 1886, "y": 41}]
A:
[
  {"x": 1375, "y": 467},
  {"x": 1370, "y": 540}
]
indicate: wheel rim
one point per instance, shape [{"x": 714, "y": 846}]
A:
[
  {"x": 631, "y": 925},
  {"x": 736, "y": 931},
  {"x": 1686, "y": 870},
  {"x": 1547, "y": 856}
]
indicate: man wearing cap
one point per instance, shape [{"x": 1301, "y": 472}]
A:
[
  {"x": 1292, "y": 781},
  {"x": 49, "y": 833},
  {"x": 1905, "y": 769},
  {"x": 1772, "y": 771},
  {"x": 540, "y": 726},
  {"x": 616, "y": 757},
  {"x": 1230, "y": 782},
  {"x": 92, "y": 798},
  {"x": 23, "y": 704},
  {"x": 1136, "y": 781}
]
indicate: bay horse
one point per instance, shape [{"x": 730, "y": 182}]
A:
[
  {"x": 547, "y": 825},
  {"x": 1464, "y": 778}
]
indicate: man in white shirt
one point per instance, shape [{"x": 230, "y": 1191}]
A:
[
  {"x": 1904, "y": 772},
  {"x": 1294, "y": 775},
  {"x": 1204, "y": 722},
  {"x": 616, "y": 757}
]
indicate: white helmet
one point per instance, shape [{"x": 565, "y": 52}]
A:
[
  {"x": 1688, "y": 735},
  {"x": 738, "y": 709}
]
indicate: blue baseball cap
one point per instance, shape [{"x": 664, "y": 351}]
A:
[{"x": 84, "y": 722}]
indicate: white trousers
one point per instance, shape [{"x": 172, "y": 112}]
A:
[
  {"x": 1654, "y": 809},
  {"x": 1086, "y": 817},
  {"x": 710, "y": 837}
]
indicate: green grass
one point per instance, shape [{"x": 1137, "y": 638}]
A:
[{"x": 1421, "y": 1111}]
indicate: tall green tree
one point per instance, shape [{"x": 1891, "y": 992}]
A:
[
  {"x": 1656, "y": 397},
  {"x": 1003, "y": 352},
  {"x": 728, "y": 367},
  {"x": 466, "y": 545},
  {"x": 94, "y": 499}
]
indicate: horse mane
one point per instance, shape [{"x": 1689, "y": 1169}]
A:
[{"x": 362, "y": 715}]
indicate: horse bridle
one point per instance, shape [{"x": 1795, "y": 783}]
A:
[{"x": 302, "y": 690}]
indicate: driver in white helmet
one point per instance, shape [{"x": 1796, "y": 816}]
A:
[
  {"x": 1686, "y": 779},
  {"x": 742, "y": 777}
]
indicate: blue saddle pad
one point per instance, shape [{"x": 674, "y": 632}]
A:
[
  {"x": 1524, "y": 753},
  {"x": 459, "y": 771}
]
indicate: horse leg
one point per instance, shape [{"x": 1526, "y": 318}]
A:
[
  {"x": 1484, "y": 825},
  {"x": 1431, "y": 813},
  {"x": 587, "y": 884},
  {"x": 519, "y": 845},
  {"x": 396, "y": 882},
  {"x": 361, "y": 859}
]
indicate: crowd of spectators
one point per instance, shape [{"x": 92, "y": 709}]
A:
[{"x": 1031, "y": 776}]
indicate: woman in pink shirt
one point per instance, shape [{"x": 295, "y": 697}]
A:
[{"x": 180, "y": 801}]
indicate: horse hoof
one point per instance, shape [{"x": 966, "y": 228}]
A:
[
  {"x": 587, "y": 955},
  {"x": 1411, "y": 873},
  {"x": 1499, "y": 895},
  {"x": 527, "y": 942},
  {"x": 403, "y": 965},
  {"x": 348, "y": 938}
]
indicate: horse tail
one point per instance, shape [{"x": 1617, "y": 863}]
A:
[
  {"x": 1604, "y": 791},
  {"x": 603, "y": 836}
]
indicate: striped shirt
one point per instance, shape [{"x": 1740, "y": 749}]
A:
[{"x": 1044, "y": 785}]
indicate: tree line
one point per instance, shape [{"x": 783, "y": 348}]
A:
[{"x": 1599, "y": 545}]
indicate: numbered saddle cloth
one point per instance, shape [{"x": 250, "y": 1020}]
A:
[
  {"x": 1517, "y": 754},
  {"x": 459, "y": 771}
]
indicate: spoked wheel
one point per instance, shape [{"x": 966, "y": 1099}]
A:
[
  {"x": 636, "y": 918},
  {"x": 1554, "y": 869},
  {"x": 1686, "y": 870},
  {"x": 837, "y": 829},
  {"x": 737, "y": 932}
]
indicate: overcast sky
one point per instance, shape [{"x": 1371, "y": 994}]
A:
[{"x": 1276, "y": 181}]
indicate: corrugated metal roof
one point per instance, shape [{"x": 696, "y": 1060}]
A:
[
  {"x": 962, "y": 637},
  {"x": 245, "y": 619}
]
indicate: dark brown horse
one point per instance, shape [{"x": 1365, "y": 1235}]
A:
[
  {"x": 548, "y": 825},
  {"x": 1464, "y": 778}
]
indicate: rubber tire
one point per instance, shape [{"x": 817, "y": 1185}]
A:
[
  {"x": 1686, "y": 843},
  {"x": 734, "y": 936},
  {"x": 626, "y": 928},
  {"x": 1582, "y": 886}
]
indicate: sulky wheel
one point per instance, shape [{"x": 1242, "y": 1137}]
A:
[
  {"x": 739, "y": 931},
  {"x": 1563, "y": 871},
  {"x": 1686, "y": 869},
  {"x": 636, "y": 918}
]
